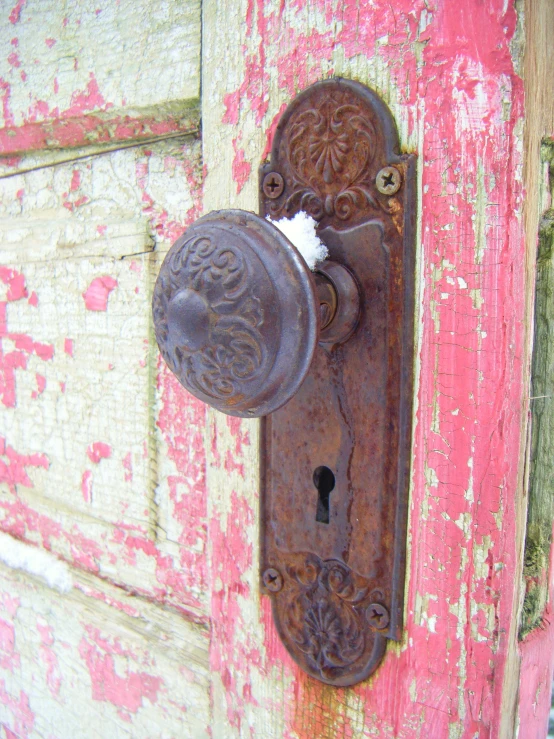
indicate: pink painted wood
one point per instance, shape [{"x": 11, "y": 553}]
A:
[{"x": 146, "y": 500}]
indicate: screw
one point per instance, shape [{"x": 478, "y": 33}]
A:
[
  {"x": 388, "y": 180},
  {"x": 273, "y": 185},
  {"x": 272, "y": 580},
  {"x": 377, "y": 616}
]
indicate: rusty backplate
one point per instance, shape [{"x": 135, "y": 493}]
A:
[{"x": 336, "y": 458}]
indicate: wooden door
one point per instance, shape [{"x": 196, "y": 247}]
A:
[{"x": 129, "y": 585}]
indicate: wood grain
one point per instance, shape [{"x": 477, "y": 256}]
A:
[{"x": 530, "y": 664}]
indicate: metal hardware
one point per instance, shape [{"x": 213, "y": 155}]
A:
[
  {"x": 388, "y": 181},
  {"x": 272, "y": 580},
  {"x": 377, "y": 616},
  {"x": 336, "y": 457},
  {"x": 247, "y": 328},
  {"x": 273, "y": 185}
]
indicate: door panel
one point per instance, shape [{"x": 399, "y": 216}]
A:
[
  {"x": 61, "y": 62},
  {"x": 96, "y": 662},
  {"x": 85, "y": 417}
]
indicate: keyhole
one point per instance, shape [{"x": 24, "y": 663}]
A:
[{"x": 324, "y": 480}]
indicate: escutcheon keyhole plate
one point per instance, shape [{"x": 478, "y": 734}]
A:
[{"x": 338, "y": 550}]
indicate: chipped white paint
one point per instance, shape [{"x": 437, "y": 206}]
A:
[
  {"x": 51, "y": 65},
  {"x": 96, "y": 662},
  {"x": 82, "y": 236}
]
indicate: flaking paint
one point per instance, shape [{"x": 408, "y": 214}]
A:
[{"x": 446, "y": 70}]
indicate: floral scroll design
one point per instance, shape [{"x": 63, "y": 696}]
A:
[
  {"x": 330, "y": 149},
  {"x": 325, "y": 615},
  {"x": 235, "y": 351}
]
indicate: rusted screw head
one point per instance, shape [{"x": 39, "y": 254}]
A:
[
  {"x": 377, "y": 616},
  {"x": 272, "y": 580},
  {"x": 273, "y": 185},
  {"x": 388, "y": 180}
]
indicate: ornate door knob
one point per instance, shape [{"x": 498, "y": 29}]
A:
[{"x": 238, "y": 314}]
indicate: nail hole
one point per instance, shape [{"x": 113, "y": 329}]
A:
[{"x": 324, "y": 480}]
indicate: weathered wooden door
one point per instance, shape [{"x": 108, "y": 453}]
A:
[{"x": 129, "y": 584}]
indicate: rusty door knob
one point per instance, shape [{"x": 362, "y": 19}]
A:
[{"x": 238, "y": 314}]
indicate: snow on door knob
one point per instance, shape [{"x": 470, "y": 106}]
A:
[
  {"x": 325, "y": 358},
  {"x": 238, "y": 314}
]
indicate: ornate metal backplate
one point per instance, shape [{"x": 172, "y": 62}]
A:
[{"x": 337, "y": 455}]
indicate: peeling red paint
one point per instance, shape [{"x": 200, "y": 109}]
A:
[
  {"x": 127, "y": 691},
  {"x": 23, "y": 716},
  {"x": 9, "y": 603},
  {"x": 15, "y": 282},
  {"x": 99, "y": 450},
  {"x": 166, "y": 228},
  {"x": 128, "y": 466},
  {"x": 232, "y": 559},
  {"x": 98, "y": 292},
  {"x": 89, "y": 99},
  {"x": 104, "y": 598},
  {"x": 270, "y": 132},
  {"x": 71, "y": 205},
  {"x": 41, "y": 385},
  {"x": 240, "y": 168},
  {"x": 21, "y": 521},
  {"x": 14, "y": 59},
  {"x": 9, "y": 658},
  {"x": 15, "y": 15},
  {"x": 181, "y": 420},
  {"x": 231, "y": 102},
  {"x": 449, "y": 72},
  {"x": 49, "y": 657},
  {"x": 135, "y": 266},
  {"x": 5, "y": 89},
  {"x": 86, "y": 486},
  {"x": 69, "y": 129},
  {"x": 232, "y": 466},
  {"x": 13, "y": 465},
  {"x": 242, "y": 437},
  {"x": 10, "y": 361},
  {"x": 536, "y": 672},
  {"x": 75, "y": 180}
]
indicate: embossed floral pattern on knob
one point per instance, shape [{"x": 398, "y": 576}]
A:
[
  {"x": 209, "y": 327},
  {"x": 233, "y": 302}
]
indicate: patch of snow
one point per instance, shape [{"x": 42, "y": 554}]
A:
[
  {"x": 35, "y": 561},
  {"x": 300, "y": 231}
]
